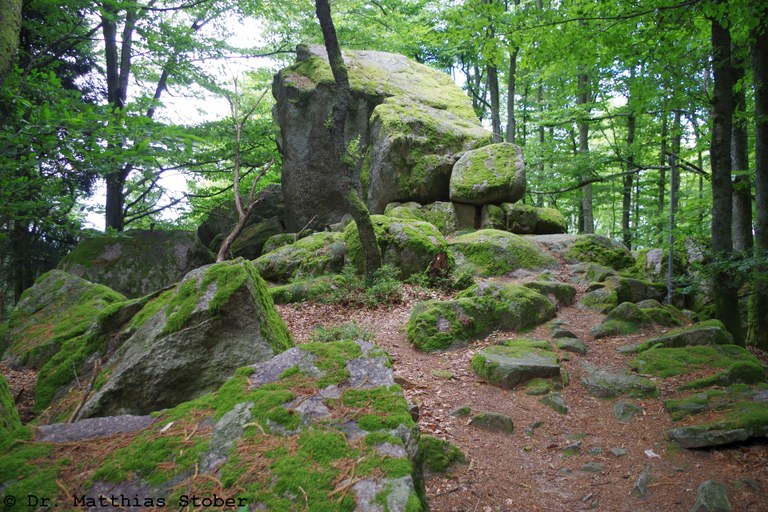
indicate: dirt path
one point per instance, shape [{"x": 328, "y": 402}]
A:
[{"x": 528, "y": 470}]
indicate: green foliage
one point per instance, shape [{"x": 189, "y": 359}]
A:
[
  {"x": 344, "y": 332},
  {"x": 384, "y": 289}
]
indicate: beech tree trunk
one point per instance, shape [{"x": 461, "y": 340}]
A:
[
  {"x": 493, "y": 89},
  {"x": 724, "y": 290},
  {"x": 348, "y": 178},
  {"x": 587, "y": 223},
  {"x": 10, "y": 25},
  {"x": 758, "y": 310}
]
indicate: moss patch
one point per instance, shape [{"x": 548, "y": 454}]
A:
[
  {"x": 439, "y": 455},
  {"x": 667, "y": 362},
  {"x": 314, "y": 255},
  {"x": 601, "y": 250}
]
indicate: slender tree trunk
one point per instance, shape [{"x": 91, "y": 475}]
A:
[
  {"x": 724, "y": 290},
  {"x": 677, "y": 134},
  {"x": 626, "y": 203},
  {"x": 582, "y": 99},
  {"x": 742, "y": 193},
  {"x": 758, "y": 310},
  {"x": 511, "y": 83},
  {"x": 493, "y": 90},
  {"x": 348, "y": 178}
]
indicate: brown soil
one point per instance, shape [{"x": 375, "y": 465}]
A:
[{"x": 522, "y": 472}]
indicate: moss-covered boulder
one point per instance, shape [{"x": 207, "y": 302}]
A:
[
  {"x": 189, "y": 340},
  {"x": 490, "y": 252},
  {"x": 742, "y": 421},
  {"x": 267, "y": 215},
  {"x": 629, "y": 317},
  {"x": 314, "y": 255},
  {"x": 614, "y": 289},
  {"x": 412, "y": 246},
  {"x": 492, "y": 174},
  {"x": 439, "y": 455},
  {"x": 476, "y": 312},
  {"x": 286, "y": 434},
  {"x": 410, "y": 123},
  {"x": 515, "y": 362},
  {"x": 447, "y": 217},
  {"x": 9, "y": 416},
  {"x": 136, "y": 262},
  {"x": 525, "y": 219},
  {"x": 600, "y": 249},
  {"x": 559, "y": 293},
  {"x": 492, "y": 217},
  {"x": 709, "y": 332},
  {"x": 59, "y": 307}
]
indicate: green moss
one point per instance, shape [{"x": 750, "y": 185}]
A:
[
  {"x": 537, "y": 387},
  {"x": 667, "y": 362},
  {"x": 708, "y": 332},
  {"x": 387, "y": 403},
  {"x": 491, "y": 252},
  {"x": 314, "y": 255},
  {"x": 332, "y": 359},
  {"x": 746, "y": 372},
  {"x": 28, "y": 468},
  {"x": 563, "y": 293},
  {"x": 9, "y": 416},
  {"x": 613, "y": 328},
  {"x": 306, "y": 289},
  {"x": 601, "y": 250}
]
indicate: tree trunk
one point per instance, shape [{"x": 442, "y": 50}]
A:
[
  {"x": 758, "y": 310},
  {"x": 588, "y": 222},
  {"x": 724, "y": 290},
  {"x": 742, "y": 194},
  {"x": 511, "y": 83},
  {"x": 10, "y": 25},
  {"x": 626, "y": 203},
  {"x": 348, "y": 179},
  {"x": 493, "y": 89}
]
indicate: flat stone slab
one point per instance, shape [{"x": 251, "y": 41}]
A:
[
  {"x": 515, "y": 362},
  {"x": 573, "y": 345},
  {"x": 602, "y": 383},
  {"x": 92, "y": 428}
]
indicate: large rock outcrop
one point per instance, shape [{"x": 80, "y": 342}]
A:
[
  {"x": 190, "y": 339},
  {"x": 493, "y": 174},
  {"x": 408, "y": 122},
  {"x": 136, "y": 262}
]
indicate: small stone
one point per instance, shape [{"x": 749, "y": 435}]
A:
[
  {"x": 593, "y": 467},
  {"x": 596, "y": 451},
  {"x": 494, "y": 422},
  {"x": 618, "y": 452},
  {"x": 530, "y": 429},
  {"x": 556, "y": 402},
  {"x": 572, "y": 344},
  {"x": 641, "y": 485},
  {"x": 711, "y": 497},
  {"x": 560, "y": 332},
  {"x": 572, "y": 449},
  {"x": 462, "y": 411},
  {"x": 625, "y": 411}
]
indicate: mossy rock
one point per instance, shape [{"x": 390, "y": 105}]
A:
[
  {"x": 217, "y": 319},
  {"x": 9, "y": 416},
  {"x": 491, "y": 252},
  {"x": 741, "y": 422},
  {"x": 447, "y": 217},
  {"x": 492, "y": 217},
  {"x": 601, "y": 250},
  {"x": 652, "y": 264},
  {"x": 58, "y": 308},
  {"x": 250, "y": 243},
  {"x": 628, "y": 317},
  {"x": 240, "y": 440},
  {"x": 493, "y": 422},
  {"x": 314, "y": 255},
  {"x": 602, "y": 383},
  {"x": 515, "y": 362},
  {"x": 279, "y": 240},
  {"x": 709, "y": 332},
  {"x": 717, "y": 399},
  {"x": 525, "y": 219},
  {"x": 306, "y": 289},
  {"x": 600, "y": 299},
  {"x": 410, "y": 124},
  {"x": 411, "y": 246},
  {"x": 668, "y": 362},
  {"x": 439, "y": 455},
  {"x": 136, "y": 262},
  {"x": 492, "y": 174},
  {"x": 476, "y": 312},
  {"x": 562, "y": 293}
]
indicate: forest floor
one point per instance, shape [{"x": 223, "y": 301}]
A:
[{"x": 529, "y": 470}]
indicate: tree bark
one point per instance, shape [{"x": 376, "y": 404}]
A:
[
  {"x": 348, "y": 178},
  {"x": 724, "y": 291},
  {"x": 511, "y": 83},
  {"x": 493, "y": 89},
  {"x": 10, "y": 25},
  {"x": 742, "y": 194},
  {"x": 588, "y": 222},
  {"x": 758, "y": 310},
  {"x": 626, "y": 203}
]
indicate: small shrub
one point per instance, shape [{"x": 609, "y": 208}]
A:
[
  {"x": 344, "y": 332},
  {"x": 384, "y": 288}
]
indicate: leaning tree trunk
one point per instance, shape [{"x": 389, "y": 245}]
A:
[
  {"x": 724, "y": 290},
  {"x": 758, "y": 311},
  {"x": 348, "y": 180}
]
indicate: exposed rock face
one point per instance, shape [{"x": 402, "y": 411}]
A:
[
  {"x": 190, "y": 339},
  {"x": 265, "y": 221},
  {"x": 411, "y": 124},
  {"x": 58, "y": 308},
  {"x": 490, "y": 175},
  {"x": 136, "y": 262}
]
